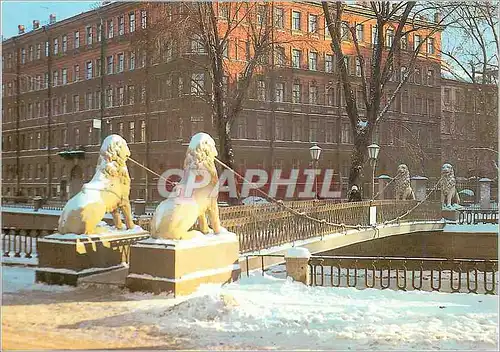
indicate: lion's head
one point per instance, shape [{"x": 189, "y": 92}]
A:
[
  {"x": 114, "y": 148},
  {"x": 113, "y": 156},
  {"x": 201, "y": 153}
]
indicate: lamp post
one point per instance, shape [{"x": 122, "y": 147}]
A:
[
  {"x": 373, "y": 150},
  {"x": 315, "y": 154}
]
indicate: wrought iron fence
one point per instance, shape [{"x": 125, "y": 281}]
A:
[
  {"x": 477, "y": 216},
  {"x": 399, "y": 273}
]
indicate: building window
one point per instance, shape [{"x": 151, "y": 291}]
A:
[
  {"x": 313, "y": 131},
  {"x": 47, "y": 49},
  {"x": 132, "y": 61},
  {"x": 345, "y": 133},
  {"x": 280, "y": 56},
  {"x": 344, "y": 30},
  {"x": 297, "y": 130},
  {"x": 143, "y": 131},
  {"x": 389, "y": 37},
  {"x": 64, "y": 43},
  {"x": 224, "y": 11},
  {"x": 55, "y": 78},
  {"x": 131, "y": 22},
  {"x": 296, "y": 20},
  {"x": 76, "y": 40},
  {"x": 404, "y": 42},
  {"x": 89, "y": 100},
  {"x": 261, "y": 14},
  {"x": 109, "y": 62},
  {"x": 77, "y": 136},
  {"x": 279, "y": 128},
  {"x": 296, "y": 93},
  {"x": 197, "y": 124},
  {"x": 358, "y": 67},
  {"x": 328, "y": 63},
  {"x": 330, "y": 132},
  {"x": 120, "y": 128},
  {"x": 374, "y": 35},
  {"x": 121, "y": 62},
  {"x": 313, "y": 93},
  {"x": 197, "y": 45},
  {"x": 88, "y": 36},
  {"x": 99, "y": 32},
  {"x": 296, "y": 58},
  {"x": 416, "y": 41},
  {"x": 430, "y": 78},
  {"x": 98, "y": 99},
  {"x": 77, "y": 73},
  {"x": 330, "y": 95},
  {"x": 144, "y": 19},
  {"x": 359, "y": 32},
  {"x": 261, "y": 90},
  {"x": 76, "y": 103},
  {"x": 23, "y": 55},
  {"x": 279, "y": 18},
  {"x": 109, "y": 97},
  {"x": 313, "y": 61},
  {"x": 197, "y": 83},
  {"x": 131, "y": 130},
  {"x": 313, "y": 24},
  {"x": 430, "y": 46},
  {"x": 121, "y": 25},
  {"x": 241, "y": 128},
  {"x": 110, "y": 29},
  {"x": 261, "y": 128},
  {"x": 30, "y": 54},
  {"x": 89, "y": 70},
  {"x": 131, "y": 95},
  {"x": 64, "y": 76},
  {"x": 280, "y": 92},
  {"x": 121, "y": 96}
]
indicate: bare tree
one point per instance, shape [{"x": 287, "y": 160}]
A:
[
  {"x": 206, "y": 29},
  {"x": 405, "y": 18},
  {"x": 472, "y": 56}
]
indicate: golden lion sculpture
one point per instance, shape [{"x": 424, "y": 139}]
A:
[
  {"x": 449, "y": 194},
  {"x": 402, "y": 187},
  {"x": 190, "y": 201},
  {"x": 108, "y": 191}
]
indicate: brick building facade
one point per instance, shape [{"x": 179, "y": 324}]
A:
[{"x": 54, "y": 98}]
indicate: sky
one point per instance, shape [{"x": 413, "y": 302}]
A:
[{"x": 24, "y": 12}]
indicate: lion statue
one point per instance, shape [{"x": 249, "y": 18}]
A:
[
  {"x": 190, "y": 201},
  {"x": 449, "y": 194},
  {"x": 402, "y": 187},
  {"x": 108, "y": 191}
]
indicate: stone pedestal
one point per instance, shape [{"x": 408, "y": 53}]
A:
[
  {"x": 181, "y": 266},
  {"x": 449, "y": 215},
  {"x": 419, "y": 186},
  {"x": 297, "y": 264},
  {"x": 65, "y": 258},
  {"x": 383, "y": 180},
  {"x": 485, "y": 193}
]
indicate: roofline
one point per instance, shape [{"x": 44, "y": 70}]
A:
[{"x": 65, "y": 21}]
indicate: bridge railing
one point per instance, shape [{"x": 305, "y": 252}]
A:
[
  {"x": 260, "y": 227},
  {"x": 401, "y": 273},
  {"x": 477, "y": 216}
]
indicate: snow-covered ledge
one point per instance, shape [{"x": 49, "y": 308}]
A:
[{"x": 297, "y": 260}]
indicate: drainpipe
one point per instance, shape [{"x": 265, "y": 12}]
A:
[{"x": 49, "y": 114}]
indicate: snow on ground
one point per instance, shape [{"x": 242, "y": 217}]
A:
[
  {"x": 15, "y": 279},
  {"x": 264, "y": 312}
]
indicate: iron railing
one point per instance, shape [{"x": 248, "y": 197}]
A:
[
  {"x": 400, "y": 273},
  {"x": 477, "y": 216}
]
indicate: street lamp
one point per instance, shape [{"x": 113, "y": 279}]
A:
[
  {"x": 373, "y": 150},
  {"x": 315, "y": 151}
]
